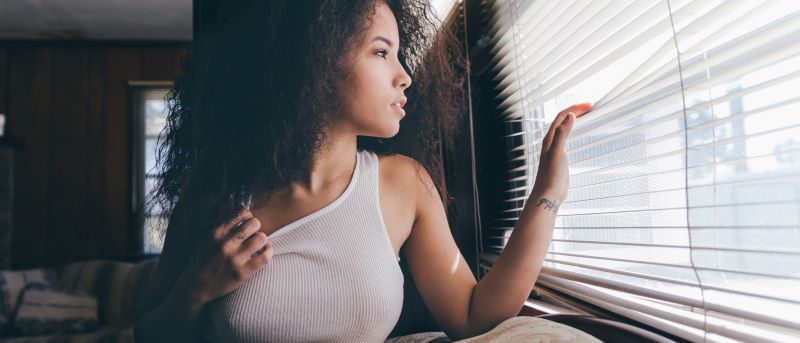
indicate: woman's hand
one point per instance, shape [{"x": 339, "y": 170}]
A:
[
  {"x": 220, "y": 265},
  {"x": 552, "y": 178}
]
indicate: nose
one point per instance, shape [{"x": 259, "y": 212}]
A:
[{"x": 403, "y": 80}]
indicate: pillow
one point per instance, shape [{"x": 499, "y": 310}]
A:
[
  {"x": 11, "y": 285},
  {"x": 45, "y": 309}
]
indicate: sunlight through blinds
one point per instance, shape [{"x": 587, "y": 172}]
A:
[{"x": 684, "y": 203}]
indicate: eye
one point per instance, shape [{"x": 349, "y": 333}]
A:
[{"x": 382, "y": 53}]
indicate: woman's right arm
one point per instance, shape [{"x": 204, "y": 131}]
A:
[{"x": 187, "y": 278}]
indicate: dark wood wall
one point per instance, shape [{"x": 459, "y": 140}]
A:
[{"x": 69, "y": 105}]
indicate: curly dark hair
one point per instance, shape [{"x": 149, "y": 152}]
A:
[{"x": 249, "y": 111}]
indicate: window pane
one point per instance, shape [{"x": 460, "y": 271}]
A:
[
  {"x": 150, "y": 157},
  {"x": 155, "y": 112},
  {"x": 154, "y": 238},
  {"x": 685, "y": 176},
  {"x": 154, "y": 109}
]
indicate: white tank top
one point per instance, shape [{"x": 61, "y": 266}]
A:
[{"x": 334, "y": 276}]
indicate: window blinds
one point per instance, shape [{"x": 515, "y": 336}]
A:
[{"x": 684, "y": 203}]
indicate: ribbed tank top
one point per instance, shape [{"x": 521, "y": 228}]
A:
[{"x": 333, "y": 277}]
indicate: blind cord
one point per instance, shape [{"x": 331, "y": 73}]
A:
[
  {"x": 475, "y": 198},
  {"x": 686, "y": 173}
]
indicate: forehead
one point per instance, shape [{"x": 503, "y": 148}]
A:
[{"x": 384, "y": 22}]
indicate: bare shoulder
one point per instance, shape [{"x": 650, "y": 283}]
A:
[
  {"x": 404, "y": 173},
  {"x": 396, "y": 173},
  {"x": 399, "y": 183},
  {"x": 397, "y": 165},
  {"x": 405, "y": 178}
]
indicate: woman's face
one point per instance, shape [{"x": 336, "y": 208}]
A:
[{"x": 374, "y": 101}]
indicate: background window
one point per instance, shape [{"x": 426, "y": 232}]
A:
[{"x": 150, "y": 110}]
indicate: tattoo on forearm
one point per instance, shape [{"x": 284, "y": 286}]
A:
[{"x": 548, "y": 205}]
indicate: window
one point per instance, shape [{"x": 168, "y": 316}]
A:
[
  {"x": 150, "y": 110},
  {"x": 684, "y": 203}
]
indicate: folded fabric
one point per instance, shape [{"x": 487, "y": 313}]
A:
[
  {"x": 46, "y": 309},
  {"x": 11, "y": 285},
  {"x": 532, "y": 330},
  {"x": 422, "y": 337},
  {"x": 514, "y": 330}
]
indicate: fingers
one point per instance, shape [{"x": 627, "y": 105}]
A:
[
  {"x": 577, "y": 110},
  {"x": 231, "y": 244},
  {"x": 563, "y": 132},
  {"x": 548, "y": 138},
  {"x": 580, "y": 109},
  {"x": 260, "y": 254},
  {"x": 243, "y": 232},
  {"x": 246, "y": 243},
  {"x": 222, "y": 230},
  {"x": 255, "y": 244}
]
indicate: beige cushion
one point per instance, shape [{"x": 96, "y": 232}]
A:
[
  {"x": 422, "y": 337},
  {"x": 105, "y": 334},
  {"x": 11, "y": 285},
  {"x": 532, "y": 330},
  {"x": 514, "y": 330},
  {"x": 117, "y": 285},
  {"x": 44, "y": 309}
]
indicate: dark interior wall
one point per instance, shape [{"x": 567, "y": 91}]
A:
[{"x": 68, "y": 103}]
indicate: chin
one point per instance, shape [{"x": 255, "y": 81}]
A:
[
  {"x": 387, "y": 131},
  {"x": 389, "y": 134}
]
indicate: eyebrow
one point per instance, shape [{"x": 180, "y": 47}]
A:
[{"x": 384, "y": 39}]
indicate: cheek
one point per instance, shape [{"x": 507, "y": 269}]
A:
[
  {"x": 365, "y": 95},
  {"x": 367, "y": 100},
  {"x": 366, "y": 84}
]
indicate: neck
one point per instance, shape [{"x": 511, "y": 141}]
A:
[{"x": 333, "y": 164}]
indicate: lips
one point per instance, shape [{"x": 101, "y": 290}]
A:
[
  {"x": 401, "y": 101},
  {"x": 398, "y": 104}
]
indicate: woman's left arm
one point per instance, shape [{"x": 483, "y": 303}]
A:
[
  {"x": 502, "y": 292},
  {"x": 462, "y": 307}
]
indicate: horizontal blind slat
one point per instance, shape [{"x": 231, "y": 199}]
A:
[
  {"x": 646, "y": 312},
  {"x": 610, "y": 284},
  {"x": 672, "y": 265}
]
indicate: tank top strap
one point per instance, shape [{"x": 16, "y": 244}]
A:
[
  {"x": 368, "y": 176},
  {"x": 368, "y": 183},
  {"x": 368, "y": 195}
]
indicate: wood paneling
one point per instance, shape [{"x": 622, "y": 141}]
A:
[
  {"x": 96, "y": 153},
  {"x": 69, "y": 104},
  {"x": 3, "y": 79},
  {"x": 28, "y": 109},
  {"x": 67, "y": 162},
  {"x": 160, "y": 63},
  {"x": 121, "y": 65}
]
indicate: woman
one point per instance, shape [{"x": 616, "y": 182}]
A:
[{"x": 294, "y": 112}]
